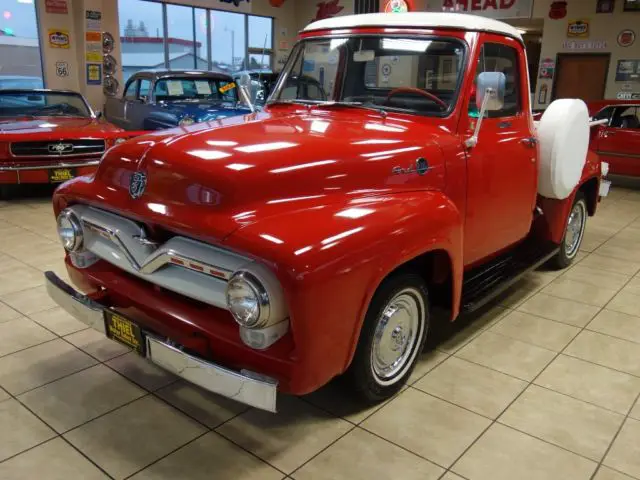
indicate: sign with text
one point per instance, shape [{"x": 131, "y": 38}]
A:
[
  {"x": 578, "y": 28},
  {"x": 584, "y": 44},
  {"x": 486, "y": 8},
  {"x": 58, "y": 38},
  {"x": 56, "y": 6}
]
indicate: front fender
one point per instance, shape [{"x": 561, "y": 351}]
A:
[{"x": 332, "y": 258}]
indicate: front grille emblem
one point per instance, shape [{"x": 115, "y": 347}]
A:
[
  {"x": 137, "y": 184},
  {"x": 60, "y": 148}
]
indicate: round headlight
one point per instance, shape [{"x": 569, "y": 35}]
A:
[
  {"x": 248, "y": 300},
  {"x": 186, "y": 121},
  {"x": 70, "y": 231}
]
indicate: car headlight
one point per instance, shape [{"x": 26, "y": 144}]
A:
[
  {"x": 248, "y": 300},
  {"x": 70, "y": 231},
  {"x": 186, "y": 121}
]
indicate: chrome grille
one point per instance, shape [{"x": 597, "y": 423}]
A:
[{"x": 58, "y": 148}]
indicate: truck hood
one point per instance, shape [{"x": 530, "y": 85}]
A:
[
  {"x": 210, "y": 181},
  {"x": 203, "y": 112}
]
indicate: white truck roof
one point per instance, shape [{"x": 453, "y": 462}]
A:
[{"x": 457, "y": 21}]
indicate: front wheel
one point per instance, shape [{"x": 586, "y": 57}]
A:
[
  {"x": 574, "y": 233},
  {"x": 393, "y": 334}
]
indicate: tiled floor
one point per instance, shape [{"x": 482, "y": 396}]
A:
[{"x": 543, "y": 385}]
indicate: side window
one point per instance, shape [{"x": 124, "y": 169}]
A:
[
  {"x": 130, "y": 91},
  {"x": 495, "y": 57},
  {"x": 143, "y": 92},
  {"x": 626, "y": 117},
  {"x": 603, "y": 114}
]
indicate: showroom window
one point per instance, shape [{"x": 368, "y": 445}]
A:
[
  {"x": 21, "y": 65},
  {"x": 141, "y": 36},
  {"x": 195, "y": 38}
]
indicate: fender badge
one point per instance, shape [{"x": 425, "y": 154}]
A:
[
  {"x": 137, "y": 184},
  {"x": 421, "y": 167}
]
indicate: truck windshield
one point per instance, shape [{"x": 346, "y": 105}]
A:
[{"x": 415, "y": 75}]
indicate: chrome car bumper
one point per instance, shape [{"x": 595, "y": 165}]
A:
[
  {"x": 244, "y": 386},
  {"x": 9, "y": 168}
]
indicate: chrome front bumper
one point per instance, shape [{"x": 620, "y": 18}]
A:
[
  {"x": 244, "y": 386},
  {"x": 9, "y": 168}
]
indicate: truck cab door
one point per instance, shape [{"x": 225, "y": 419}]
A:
[
  {"x": 618, "y": 142},
  {"x": 117, "y": 109},
  {"x": 502, "y": 166}
]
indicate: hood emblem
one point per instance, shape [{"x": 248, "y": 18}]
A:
[
  {"x": 137, "y": 184},
  {"x": 60, "y": 148},
  {"x": 421, "y": 166}
]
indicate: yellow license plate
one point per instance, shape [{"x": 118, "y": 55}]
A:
[
  {"x": 124, "y": 331},
  {"x": 58, "y": 175}
]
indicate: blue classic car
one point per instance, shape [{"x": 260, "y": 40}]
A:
[{"x": 158, "y": 99}]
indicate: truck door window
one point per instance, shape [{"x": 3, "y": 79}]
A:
[
  {"x": 130, "y": 91},
  {"x": 143, "y": 91},
  {"x": 495, "y": 57}
]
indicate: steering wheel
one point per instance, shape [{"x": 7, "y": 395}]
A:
[{"x": 418, "y": 91}]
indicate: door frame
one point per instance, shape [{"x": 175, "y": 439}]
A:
[{"x": 590, "y": 54}]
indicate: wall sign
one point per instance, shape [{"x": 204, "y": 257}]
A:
[
  {"x": 328, "y": 9},
  {"x": 276, "y": 3},
  {"x": 62, "y": 69},
  {"x": 578, "y": 28},
  {"x": 547, "y": 68},
  {"x": 93, "y": 57},
  {"x": 631, "y": 5},
  {"x": 542, "y": 94},
  {"x": 58, "y": 38},
  {"x": 628, "y": 96},
  {"x": 94, "y": 73},
  {"x": 93, "y": 20},
  {"x": 628, "y": 71},
  {"x": 605, "y": 6},
  {"x": 485, "y": 8},
  {"x": 93, "y": 37},
  {"x": 56, "y": 6},
  {"x": 626, "y": 38},
  {"x": 397, "y": 6},
  {"x": 557, "y": 10},
  {"x": 584, "y": 44}
]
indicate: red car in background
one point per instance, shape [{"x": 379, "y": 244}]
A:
[
  {"x": 618, "y": 141},
  {"x": 50, "y": 136}
]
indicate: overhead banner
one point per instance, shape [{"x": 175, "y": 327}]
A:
[{"x": 499, "y": 9}]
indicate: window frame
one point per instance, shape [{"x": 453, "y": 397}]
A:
[
  {"x": 517, "y": 82},
  {"x": 131, "y": 81}
]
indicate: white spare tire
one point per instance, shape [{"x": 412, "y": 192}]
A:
[{"x": 563, "y": 133}]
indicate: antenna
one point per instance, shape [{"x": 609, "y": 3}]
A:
[{"x": 264, "y": 48}]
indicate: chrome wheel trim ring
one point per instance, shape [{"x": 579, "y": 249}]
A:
[
  {"x": 575, "y": 229},
  {"x": 397, "y": 336}
]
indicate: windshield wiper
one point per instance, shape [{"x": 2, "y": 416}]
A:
[{"x": 378, "y": 110}]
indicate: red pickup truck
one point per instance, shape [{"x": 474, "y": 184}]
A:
[{"x": 314, "y": 238}]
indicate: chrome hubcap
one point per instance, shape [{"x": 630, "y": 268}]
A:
[
  {"x": 575, "y": 229},
  {"x": 397, "y": 333}
]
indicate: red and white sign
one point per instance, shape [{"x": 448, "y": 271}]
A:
[
  {"x": 486, "y": 8},
  {"x": 56, "y": 6}
]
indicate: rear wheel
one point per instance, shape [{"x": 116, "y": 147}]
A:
[
  {"x": 393, "y": 334},
  {"x": 574, "y": 233}
]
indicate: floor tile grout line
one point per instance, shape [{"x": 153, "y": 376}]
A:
[
  {"x": 622, "y": 424},
  {"x": 30, "y": 346}
]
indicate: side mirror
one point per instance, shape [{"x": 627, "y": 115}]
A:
[
  {"x": 490, "y": 89},
  {"x": 491, "y": 86},
  {"x": 244, "y": 84}
]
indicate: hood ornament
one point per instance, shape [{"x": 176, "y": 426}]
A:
[{"x": 137, "y": 184}]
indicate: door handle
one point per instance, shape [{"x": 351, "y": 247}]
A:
[
  {"x": 530, "y": 142},
  {"x": 607, "y": 133}
]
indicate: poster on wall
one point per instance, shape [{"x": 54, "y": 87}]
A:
[
  {"x": 578, "y": 28},
  {"x": 628, "y": 71},
  {"x": 605, "y": 6},
  {"x": 62, "y": 69},
  {"x": 56, "y": 6},
  {"x": 94, "y": 73},
  {"x": 547, "y": 68},
  {"x": 93, "y": 57},
  {"x": 93, "y": 20},
  {"x": 500, "y": 9},
  {"x": 58, "y": 38},
  {"x": 631, "y": 5}
]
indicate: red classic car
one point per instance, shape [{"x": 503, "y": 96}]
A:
[
  {"x": 49, "y": 136},
  {"x": 618, "y": 140},
  {"x": 275, "y": 251}
]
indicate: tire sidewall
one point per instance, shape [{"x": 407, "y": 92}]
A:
[{"x": 563, "y": 260}]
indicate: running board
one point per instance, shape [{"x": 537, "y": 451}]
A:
[{"x": 484, "y": 283}]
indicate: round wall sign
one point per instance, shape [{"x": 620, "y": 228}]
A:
[
  {"x": 110, "y": 86},
  {"x": 397, "y": 6},
  {"x": 626, "y": 38},
  {"x": 110, "y": 65},
  {"x": 107, "y": 42}
]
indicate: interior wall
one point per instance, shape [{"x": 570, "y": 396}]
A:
[{"x": 602, "y": 27}]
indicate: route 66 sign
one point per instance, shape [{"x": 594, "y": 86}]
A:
[{"x": 62, "y": 69}]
